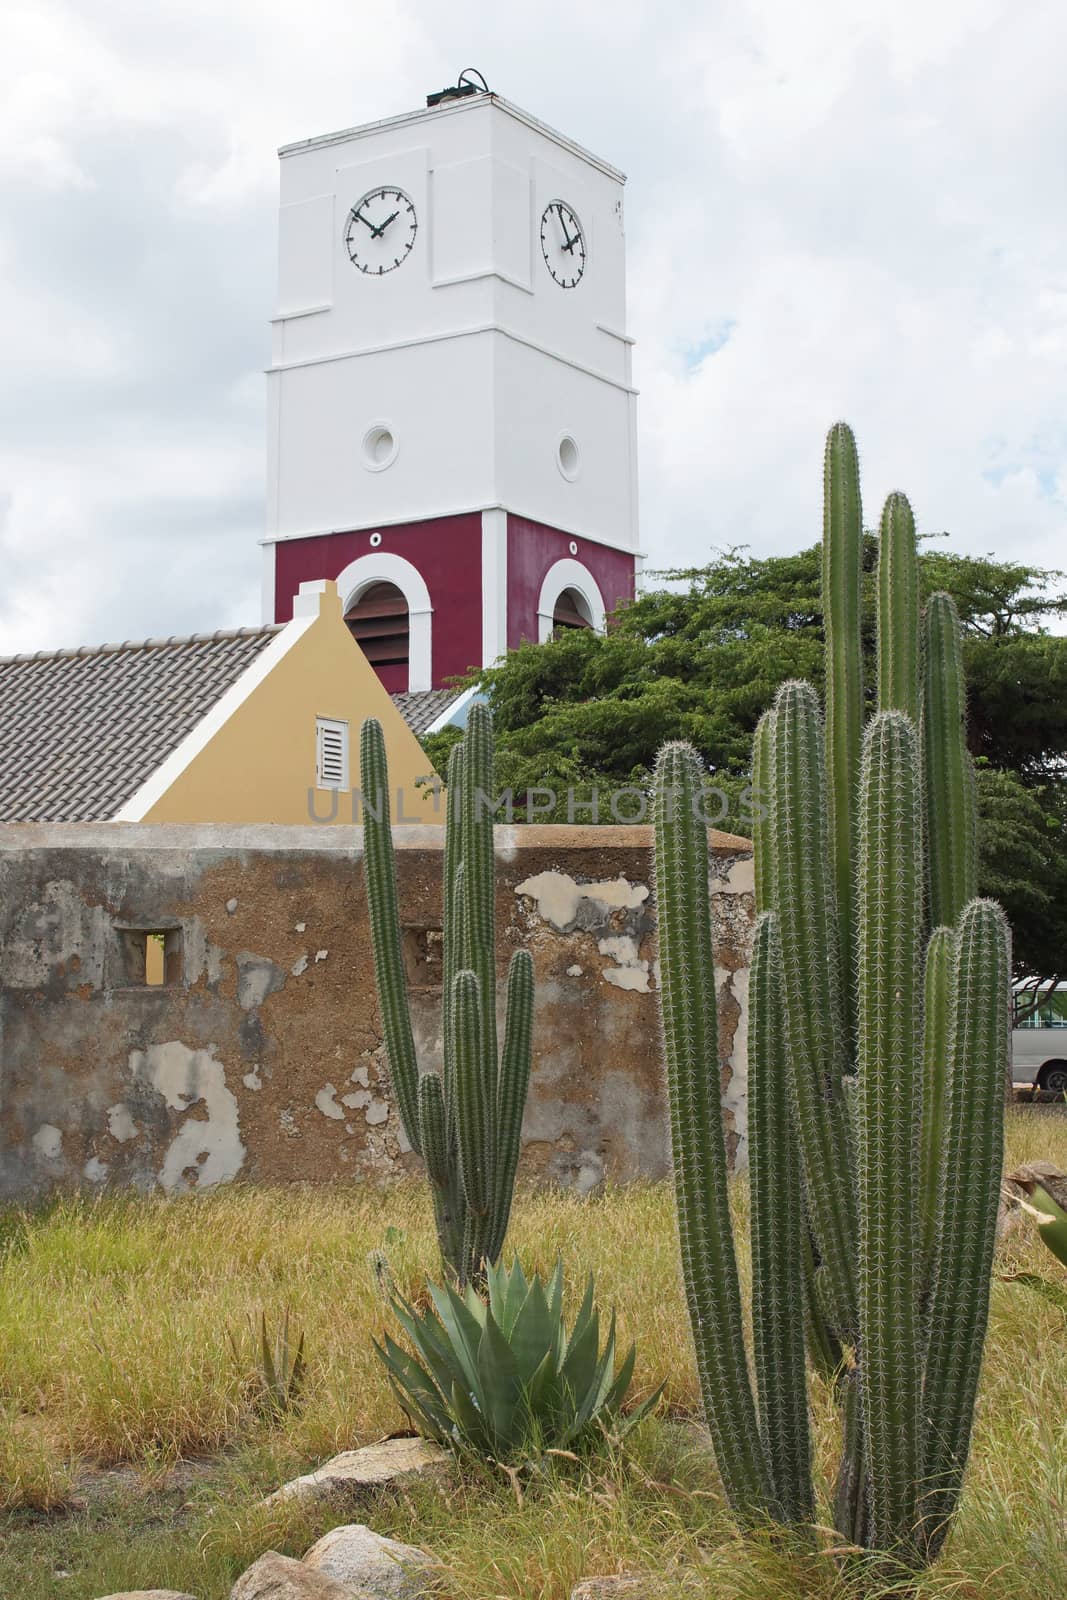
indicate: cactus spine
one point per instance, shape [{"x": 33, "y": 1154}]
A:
[
  {"x": 466, "y": 1122},
  {"x": 875, "y": 1109}
]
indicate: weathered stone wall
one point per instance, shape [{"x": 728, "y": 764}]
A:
[{"x": 261, "y": 1057}]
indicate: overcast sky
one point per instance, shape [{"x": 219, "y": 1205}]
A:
[{"x": 834, "y": 209}]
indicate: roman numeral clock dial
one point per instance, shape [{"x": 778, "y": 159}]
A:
[
  {"x": 380, "y": 232},
  {"x": 563, "y": 244}
]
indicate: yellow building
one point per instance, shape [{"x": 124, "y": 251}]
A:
[{"x": 246, "y": 725}]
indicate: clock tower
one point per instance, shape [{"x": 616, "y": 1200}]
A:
[{"x": 451, "y": 416}]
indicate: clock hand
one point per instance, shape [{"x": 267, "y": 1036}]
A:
[
  {"x": 357, "y": 216},
  {"x": 382, "y": 226}
]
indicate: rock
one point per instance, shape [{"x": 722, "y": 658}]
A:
[
  {"x": 145, "y": 1594},
  {"x": 618, "y": 1588},
  {"x": 639, "y": 1586},
  {"x": 371, "y": 1564},
  {"x": 1051, "y": 1179},
  {"x": 355, "y": 1471},
  {"x": 275, "y": 1577}
]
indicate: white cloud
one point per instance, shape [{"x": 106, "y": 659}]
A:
[{"x": 833, "y": 211}]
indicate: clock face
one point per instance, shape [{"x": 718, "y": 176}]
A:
[
  {"x": 563, "y": 244},
  {"x": 380, "y": 231}
]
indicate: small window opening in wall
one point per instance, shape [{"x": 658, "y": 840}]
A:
[
  {"x": 331, "y": 753},
  {"x": 152, "y": 956},
  {"x": 572, "y": 611}
]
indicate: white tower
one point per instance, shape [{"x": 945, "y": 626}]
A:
[{"x": 451, "y": 412}]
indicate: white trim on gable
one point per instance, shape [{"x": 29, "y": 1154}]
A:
[
  {"x": 456, "y": 712},
  {"x": 197, "y": 739},
  {"x": 384, "y": 566},
  {"x": 568, "y": 574}
]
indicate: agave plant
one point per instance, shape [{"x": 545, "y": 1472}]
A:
[
  {"x": 502, "y": 1378},
  {"x": 1045, "y": 1187},
  {"x": 280, "y": 1365}
]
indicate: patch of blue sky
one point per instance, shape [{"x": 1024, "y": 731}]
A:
[{"x": 694, "y": 355}]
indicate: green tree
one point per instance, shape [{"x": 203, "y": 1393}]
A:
[{"x": 700, "y": 655}]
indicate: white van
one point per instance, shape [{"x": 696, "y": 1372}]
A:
[{"x": 1039, "y": 1043}]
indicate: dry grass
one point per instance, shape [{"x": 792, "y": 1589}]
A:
[{"x": 114, "y": 1349}]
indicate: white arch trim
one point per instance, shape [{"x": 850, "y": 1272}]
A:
[
  {"x": 384, "y": 566},
  {"x": 568, "y": 574}
]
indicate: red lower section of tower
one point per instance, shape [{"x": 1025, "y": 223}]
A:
[
  {"x": 447, "y": 554},
  {"x": 533, "y": 548}
]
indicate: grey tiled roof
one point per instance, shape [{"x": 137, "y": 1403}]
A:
[
  {"x": 422, "y": 707},
  {"x": 81, "y": 730}
]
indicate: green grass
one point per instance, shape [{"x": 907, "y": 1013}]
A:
[{"x": 114, "y": 1354}]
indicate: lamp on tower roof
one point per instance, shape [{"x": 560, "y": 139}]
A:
[{"x": 461, "y": 88}]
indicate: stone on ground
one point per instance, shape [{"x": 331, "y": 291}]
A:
[
  {"x": 275, "y": 1577},
  {"x": 357, "y": 1470},
  {"x": 606, "y": 1588},
  {"x": 373, "y": 1565},
  {"x": 148, "y": 1594}
]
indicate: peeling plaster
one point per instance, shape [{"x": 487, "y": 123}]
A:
[
  {"x": 735, "y": 1098},
  {"x": 207, "y": 1150},
  {"x": 95, "y": 1170},
  {"x": 575, "y": 971},
  {"x": 48, "y": 1142},
  {"x": 252, "y": 1080},
  {"x": 558, "y": 896},
  {"x": 120, "y": 1124},
  {"x": 631, "y": 972},
  {"x": 326, "y": 1102},
  {"x": 320, "y": 955},
  {"x": 739, "y": 878},
  {"x": 299, "y": 966},
  {"x": 360, "y": 1075},
  {"x": 257, "y": 977},
  {"x": 377, "y": 1112}
]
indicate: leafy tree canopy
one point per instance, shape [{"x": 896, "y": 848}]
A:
[{"x": 700, "y": 656}]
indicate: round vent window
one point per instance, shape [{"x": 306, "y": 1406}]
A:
[
  {"x": 568, "y": 458},
  {"x": 379, "y": 447}
]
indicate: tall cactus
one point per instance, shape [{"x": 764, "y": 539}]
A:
[
  {"x": 690, "y": 1036},
  {"x": 951, "y": 798},
  {"x": 888, "y": 1121},
  {"x": 842, "y": 590},
  {"x": 465, "y": 1122},
  {"x": 778, "y": 1239},
  {"x": 875, "y": 1104},
  {"x": 898, "y": 609},
  {"x": 967, "y": 1226}
]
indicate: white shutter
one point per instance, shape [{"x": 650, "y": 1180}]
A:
[{"x": 331, "y": 754}]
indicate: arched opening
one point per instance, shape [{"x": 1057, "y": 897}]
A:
[
  {"x": 379, "y": 622},
  {"x": 571, "y": 611}
]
